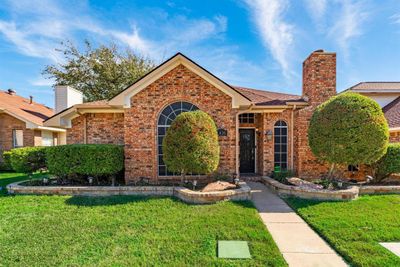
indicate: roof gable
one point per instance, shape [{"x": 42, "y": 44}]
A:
[{"x": 123, "y": 98}]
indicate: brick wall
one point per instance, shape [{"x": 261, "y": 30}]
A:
[
  {"x": 180, "y": 84},
  {"x": 394, "y": 137},
  {"x": 7, "y": 125},
  {"x": 101, "y": 128},
  {"x": 319, "y": 84},
  {"x": 268, "y": 145}
]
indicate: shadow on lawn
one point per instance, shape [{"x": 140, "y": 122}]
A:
[
  {"x": 92, "y": 201},
  {"x": 299, "y": 203}
]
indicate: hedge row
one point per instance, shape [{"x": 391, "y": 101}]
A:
[
  {"x": 68, "y": 160},
  {"x": 28, "y": 159},
  {"x": 96, "y": 160},
  {"x": 5, "y": 164}
]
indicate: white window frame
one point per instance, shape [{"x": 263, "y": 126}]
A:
[{"x": 14, "y": 138}]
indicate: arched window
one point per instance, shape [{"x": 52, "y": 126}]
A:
[
  {"x": 167, "y": 116},
  {"x": 280, "y": 145}
]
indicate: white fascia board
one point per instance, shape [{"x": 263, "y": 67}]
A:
[{"x": 52, "y": 129}]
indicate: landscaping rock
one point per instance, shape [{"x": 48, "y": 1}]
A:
[
  {"x": 218, "y": 186},
  {"x": 302, "y": 183}
]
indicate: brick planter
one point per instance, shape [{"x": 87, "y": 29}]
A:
[
  {"x": 307, "y": 193},
  {"x": 187, "y": 195}
]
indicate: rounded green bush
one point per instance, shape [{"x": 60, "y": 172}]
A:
[
  {"x": 388, "y": 164},
  {"x": 191, "y": 144},
  {"x": 348, "y": 129},
  {"x": 85, "y": 159},
  {"x": 28, "y": 159},
  {"x": 5, "y": 164}
]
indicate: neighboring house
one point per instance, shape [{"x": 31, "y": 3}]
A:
[
  {"x": 21, "y": 123},
  {"x": 387, "y": 95},
  {"x": 258, "y": 130}
]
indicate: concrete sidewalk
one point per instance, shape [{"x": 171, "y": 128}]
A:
[{"x": 298, "y": 243}]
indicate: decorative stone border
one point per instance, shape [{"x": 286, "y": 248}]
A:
[
  {"x": 308, "y": 193},
  {"x": 379, "y": 189},
  {"x": 187, "y": 195}
]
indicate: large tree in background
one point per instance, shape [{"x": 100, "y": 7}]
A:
[{"x": 99, "y": 73}]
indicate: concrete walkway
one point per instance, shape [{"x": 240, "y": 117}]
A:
[{"x": 298, "y": 243}]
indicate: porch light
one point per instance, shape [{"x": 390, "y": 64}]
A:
[{"x": 268, "y": 134}]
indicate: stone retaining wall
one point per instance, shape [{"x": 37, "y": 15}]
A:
[
  {"x": 307, "y": 193},
  {"x": 187, "y": 195},
  {"x": 379, "y": 189}
]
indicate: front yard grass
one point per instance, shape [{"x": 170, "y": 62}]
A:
[
  {"x": 126, "y": 231},
  {"x": 355, "y": 228}
]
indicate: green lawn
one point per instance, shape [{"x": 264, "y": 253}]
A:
[
  {"x": 354, "y": 228},
  {"x": 126, "y": 231}
]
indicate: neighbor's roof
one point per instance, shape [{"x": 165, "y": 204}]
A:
[
  {"x": 392, "y": 113},
  {"x": 268, "y": 98},
  {"x": 20, "y": 108},
  {"x": 375, "y": 87}
]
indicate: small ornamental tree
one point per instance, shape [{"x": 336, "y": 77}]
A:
[
  {"x": 191, "y": 144},
  {"x": 348, "y": 129}
]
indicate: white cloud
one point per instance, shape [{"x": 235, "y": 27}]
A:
[
  {"x": 395, "y": 18},
  {"x": 317, "y": 10},
  {"x": 36, "y": 32},
  {"x": 40, "y": 81},
  {"x": 20, "y": 38},
  {"x": 134, "y": 41},
  {"x": 275, "y": 32},
  {"x": 348, "y": 24}
]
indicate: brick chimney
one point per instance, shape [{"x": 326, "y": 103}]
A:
[
  {"x": 319, "y": 77},
  {"x": 65, "y": 97}
]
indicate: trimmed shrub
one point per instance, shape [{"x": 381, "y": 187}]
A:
[
  {"x": 5, "y": 164},
  {"x": 28, "y": 159},
  {"x": 348, "y": 129},
  {"x": 85, "y": 160},
  {"x": 191, "y": 144},
  {"x": 388, "y": 164}
]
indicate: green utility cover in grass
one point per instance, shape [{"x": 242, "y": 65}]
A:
[{"x": 233, "y": 250}]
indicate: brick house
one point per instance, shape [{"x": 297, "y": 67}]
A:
[
  {"x": 258, "y": 130},
  {"x": 21, "y": 123}
]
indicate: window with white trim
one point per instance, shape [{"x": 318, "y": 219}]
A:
[
  {"x": 165, "y": 119},
  {"x": 281, "y": 145},
  {"x": 18, "y": 138}
]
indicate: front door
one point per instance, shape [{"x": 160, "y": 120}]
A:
[{"x": 247, "y": 146}]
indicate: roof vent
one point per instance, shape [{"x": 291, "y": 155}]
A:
[
  {"x": 30, "y": 99},
  {"x": 11, "y": 92}
]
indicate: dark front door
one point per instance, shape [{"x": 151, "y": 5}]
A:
[{"x": 247, "y": 150}]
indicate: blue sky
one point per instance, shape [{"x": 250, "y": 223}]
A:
[{"x": 254, "y": 43}]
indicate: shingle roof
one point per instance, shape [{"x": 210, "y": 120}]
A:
[
  {"x": 21, "y": 107},
  {"x": 392, "y": 113},
  {"x": 267, "y": 98},
  {"x": 379, "y": 86}
]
